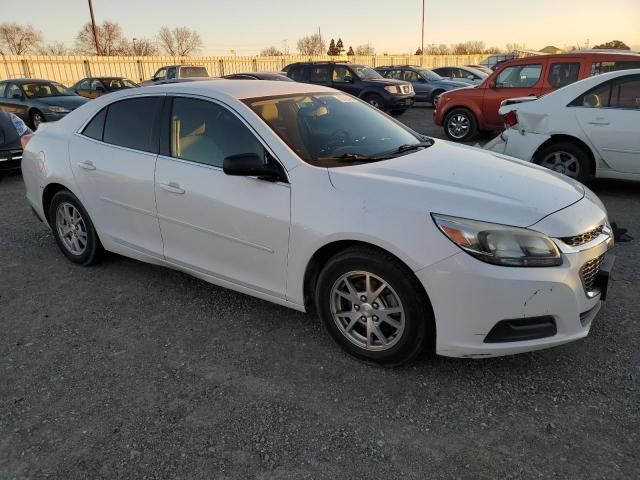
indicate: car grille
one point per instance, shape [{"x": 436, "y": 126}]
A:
[
  {"x": 405, "y": 88},
  {"x": 589, "y": 272},
  {"x": 583, "y": 238}
]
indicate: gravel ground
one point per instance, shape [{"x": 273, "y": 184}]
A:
[{"x": 127, "y": 370}]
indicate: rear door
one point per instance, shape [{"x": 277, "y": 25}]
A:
[
  {"x": 512, "y": 81},
  {"x": 113, "y": 161},
  {"x": 563, "y": 72},
  {"x": 320, "y": 75},
  {"x": 610, "y": 115}
]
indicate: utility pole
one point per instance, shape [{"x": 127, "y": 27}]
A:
[
  {"x": 422, "y": 45},
  {"x": 135, "y": 53},
  {"x": 93, "y": 26}
]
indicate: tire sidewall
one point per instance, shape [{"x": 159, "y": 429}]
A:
[
  {"x": 367, "y": 98},
  {"x": 434, "y": 95},
  {"x": 473, "y": 129},
  {"x": 94, "y": 247},
  {"x": 417, "y": 313},
  {"x": 33, "y": 113},
  {"x": 578, "y": 152}
]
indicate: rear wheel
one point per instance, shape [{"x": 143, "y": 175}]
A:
[
  {"x": 374, "y": 307},
  {"x": 73, "y": 230},
  {"x": 374, "y": 100},
  {"x": 460, "y": 125},
  {"x": 566, "y": 158}
]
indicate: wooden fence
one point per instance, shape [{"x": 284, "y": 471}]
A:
[{"x": 69, "y": 69}]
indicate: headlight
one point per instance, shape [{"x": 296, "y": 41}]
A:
[
  {"x": 57, "y": 109},
  {"x": 500, "y": 244},
  {"x": 392, "y": 88}
]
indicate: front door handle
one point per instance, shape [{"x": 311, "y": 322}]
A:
[
  {"x": 173, "y": 188},
  {"x": 599, "y": 122},
  {"x": 87, "y": 165}
]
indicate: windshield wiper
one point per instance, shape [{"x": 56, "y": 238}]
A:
[
  {"x": 414, "y": 146},
  {"x": 352, "y": 157}
]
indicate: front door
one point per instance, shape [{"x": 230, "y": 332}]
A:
[
  {"x": 610, "y": 115},
  {"x": 14, "y": 101},
  {"x": 511, "y": 82},
  {"x": 344, "y": 79},
  {"x": 114, "y": 167},
  {"x": 233, "y": 228}
]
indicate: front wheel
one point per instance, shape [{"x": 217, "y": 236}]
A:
[
  {"x": 434, "y": 96},
  {"x": 460, "y": 125},
  {"x": 375, "y": 101},
  {"x": 566, "y": 158},
  {"x": 73, "y": 230},
  {"x": 36, "y": 118},
  {"x": 374, "y": 307}
]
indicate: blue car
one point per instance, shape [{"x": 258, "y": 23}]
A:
[
  {"x": 427, "y": 84},
  {"x": 37, "y": 101}
]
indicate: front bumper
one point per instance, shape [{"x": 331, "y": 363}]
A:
[
  {"x": 10, "y": 160},
  {"x": 470, "y": 297},
  {"x": 518, "y": 144},
  {"x": 400, "y": 101}
]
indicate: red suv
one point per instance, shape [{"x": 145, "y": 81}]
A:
[{"x": 466, "y": 111}]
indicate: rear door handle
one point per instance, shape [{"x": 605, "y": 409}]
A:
[
  {"x": 601, "y": 122},
  {"x": 87, "y": 165},
  {"x": 173, "y": 188}
]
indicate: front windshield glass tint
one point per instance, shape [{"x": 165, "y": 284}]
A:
[
  {"x": 44, "y": 89},
  {"x": 329, "y": 129},
  {"x": 365, "y": 73},
  {"x": 190, "y": 72},
  {"x": 428, "y": 74}
]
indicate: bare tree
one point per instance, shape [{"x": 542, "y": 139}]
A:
[
  {"x": 19, "y": 40},
  {"x": 139, "y": 47},
  {"x": 110, "y": 39},
  {"x": 492, "y": 50},
  {"x": 512, "y": 47},
  {"x": 312, "y": 45},
  {"x": 441, "y": 49},
  {"x": 270, "y": 52},
  {"x": 365, "y": 50},
  {"x": 179, "y": 42},
  {"x": 55, "y": 48}
]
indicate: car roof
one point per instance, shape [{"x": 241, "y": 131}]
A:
[
  {"x": 581, "y": 54},
  {"x": 238, "y": 89},
  {"x": 28, "y": 80}
]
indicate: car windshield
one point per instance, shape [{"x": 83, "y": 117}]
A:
[
  {"x": 190, "y": 72},
  {"x": 428, "y": 74},
  {"x": 118, "y": 83},
  {"x": 365, "y": 73},
  {"x": 45, "y": 89},
  {"x": 335, "y": 129}
]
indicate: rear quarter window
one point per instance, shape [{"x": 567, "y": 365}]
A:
[{"x": 95, "y": 127}]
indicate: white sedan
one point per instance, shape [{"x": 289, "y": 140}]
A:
[
  {"x": 588, "y": 128},
  {"x": 309, "y": 198}
]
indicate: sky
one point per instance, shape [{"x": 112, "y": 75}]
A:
[{"x": 391, "y": 26}]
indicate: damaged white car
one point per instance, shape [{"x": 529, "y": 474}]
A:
[{"x": 588, "y": 128}]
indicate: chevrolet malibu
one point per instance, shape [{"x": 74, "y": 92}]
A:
[{"x": 310, "y": 198}]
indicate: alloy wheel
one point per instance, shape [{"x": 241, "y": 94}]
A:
[
  {"x": 562, "y": 162},
  {"x": 37, "y": 120},
  {"x": 71, "y": 228},
  {"x": 458, "y": 126},
  {"x": 367, "y": 311}
]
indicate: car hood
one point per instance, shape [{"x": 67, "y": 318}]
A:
[
  {"x": 387, "y": 81},
  {"x": 452, "y": 83},
  {"x": 71, "y": 102},
  {"x": 462, "y": 181}
]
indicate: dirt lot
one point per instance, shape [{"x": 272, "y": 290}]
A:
[{"x": 127, "y": 370}]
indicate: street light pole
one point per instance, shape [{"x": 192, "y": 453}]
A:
[
  {"x": 422, "y": 46},
  {"x": 93, "y": 27},
  {"x": 135, "y": 53}
]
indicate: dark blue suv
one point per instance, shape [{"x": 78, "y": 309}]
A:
[{"x": 393, "y": 96}]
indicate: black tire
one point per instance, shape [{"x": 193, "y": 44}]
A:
[
  {"x": 34, "y": 115},
  {"x": 375, "y": 100},
  {"x": 583, "y": 169},
  {"x": 419, "y": 327},
  {"x": 434, "y": 95},
  {"x": 460, "y": 115},
  {"x": 397, "y": 113},
  {"x": 93, "y": 250}
]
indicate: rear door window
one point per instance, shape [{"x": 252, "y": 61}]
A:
[
  {"x": 561, "y": 74},
  {"x": 519, "y": 76},
  {"x": 597, "y": 97},
  {"x": 319, "y": 74},
  {"x": 130, "y": 123},
  {"x": 625, "y": 93}
]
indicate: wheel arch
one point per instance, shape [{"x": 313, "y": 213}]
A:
[
  {"x": 563, "y": 137},
  {"x": 47, "y": 195},
  {"x": 322, "y": 255}
]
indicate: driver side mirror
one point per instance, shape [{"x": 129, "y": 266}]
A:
[
  {"x": 99, "y": 89},
  {"x": 422, "y": 80},
  {"x": 17, "y": 96},
  {"x": 251, "y": 165},
  {"x": 154, "y": 79}
]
